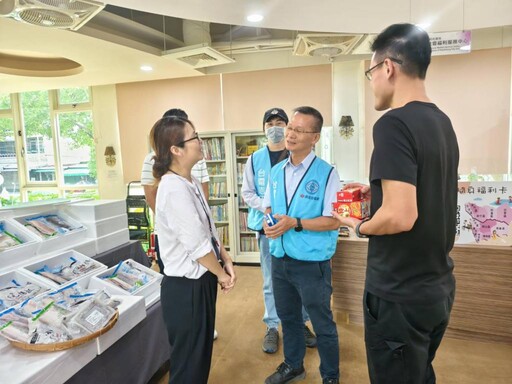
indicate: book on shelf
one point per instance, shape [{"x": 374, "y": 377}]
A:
[
  {"x": 216, "y": 169},
  {"x": 241, "y": 201},
  {"x": 218, "y": 189},
  {"x": 240, "y": 167},
  {"x": 219, "y": 212},
  {"x": 223, "y": 233},
  {"x": 242, "y": 217},
  {"x": 213, "y": 148},
  {"x": 248, "y": 244},
  {"x": 251, "y": 149}
]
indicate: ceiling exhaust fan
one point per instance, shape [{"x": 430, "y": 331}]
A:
[{"x": 62, "y": 14}]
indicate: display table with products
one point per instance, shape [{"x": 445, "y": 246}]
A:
[
  {"x": 133, "y": 358},
  {"x": 138, "y": 355},
  {"x": 131, "y": 250},
  {"x": 482, "y": 309}
]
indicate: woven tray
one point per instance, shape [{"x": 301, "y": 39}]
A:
[{"x": 66, "y": 344}]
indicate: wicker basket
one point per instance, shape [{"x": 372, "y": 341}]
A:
[{"x": 65, "y": 344}]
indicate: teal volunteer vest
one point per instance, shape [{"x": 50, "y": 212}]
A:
[
  {"x": 307, "y": 203},
  {"x": 261, "y": 166}
]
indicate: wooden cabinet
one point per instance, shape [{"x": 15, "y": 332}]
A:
[{"x": 483, "y": 306}]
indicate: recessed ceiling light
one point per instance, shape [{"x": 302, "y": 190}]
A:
[
  {"x": 146, "y": 68},
  {"x": 255, "y": 18}
]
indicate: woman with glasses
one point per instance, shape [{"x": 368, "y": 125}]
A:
[{"x": 194, "y": 259}]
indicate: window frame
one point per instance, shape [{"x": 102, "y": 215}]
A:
[{"x": 27, "y": 186}]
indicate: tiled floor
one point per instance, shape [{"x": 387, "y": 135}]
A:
[{"x": 238, "y": 358}]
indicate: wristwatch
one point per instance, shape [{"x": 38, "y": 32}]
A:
[
  {"x": 358, "y": 233},
  {"x": 298, "y": 228}
]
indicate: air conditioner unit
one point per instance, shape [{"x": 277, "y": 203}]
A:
[
  {"x": 198, "y": 56},
  {"x": 63, "y": 14},
  {"x": 328, "y": 45}
]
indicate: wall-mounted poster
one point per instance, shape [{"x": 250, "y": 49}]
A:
[{"x": 484, "y": 213}]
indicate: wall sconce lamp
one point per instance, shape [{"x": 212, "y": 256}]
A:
[
  {"x": 346, "y": 127},
  {"x": 110, "y": 156}
]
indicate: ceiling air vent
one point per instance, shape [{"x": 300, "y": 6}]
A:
[
  {"x": 63, "y": 14},
  {"x": 328, "y": 45},
  {"x": 364, "y": 47},
  {"x": 198, "y": 56}
]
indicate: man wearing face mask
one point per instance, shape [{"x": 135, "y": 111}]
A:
[{"x": 256, "y": 174}]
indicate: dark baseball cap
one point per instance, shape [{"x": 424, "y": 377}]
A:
[{"x": 275, "y": 112}]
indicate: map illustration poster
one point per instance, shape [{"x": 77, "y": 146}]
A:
[{"x": 484, "y": 213}]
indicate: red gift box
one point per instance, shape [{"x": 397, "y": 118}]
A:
[
  {"x": 356, "y": 209},
  {"x": 350, "y": 194}
]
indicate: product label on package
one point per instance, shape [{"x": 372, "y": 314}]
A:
[
  {"x": 350, "y": 194},
  {"x": 94, "y": 317},
  {"x": 357, "y": 209}
]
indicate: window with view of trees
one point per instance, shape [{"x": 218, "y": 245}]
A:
[{"x": 52, "y": 153}]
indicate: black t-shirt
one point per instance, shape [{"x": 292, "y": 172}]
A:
[
  {"x": 277, "y": 156},
  {"x": 415, "y": 144}
]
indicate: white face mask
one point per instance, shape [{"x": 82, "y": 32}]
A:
[{"x": 275, "y": 134}]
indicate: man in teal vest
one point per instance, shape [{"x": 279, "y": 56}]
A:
[
  {"x": 300, "y": 193},
  {"x": 256, "y": 174}
]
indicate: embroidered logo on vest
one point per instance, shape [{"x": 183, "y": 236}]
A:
[{"x": 312, "y": 187}]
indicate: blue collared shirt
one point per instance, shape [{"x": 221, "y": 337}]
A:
[{"x": 294, "y": 174}]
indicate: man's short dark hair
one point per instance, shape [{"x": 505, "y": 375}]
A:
[
  {"x": 405, "y": 42},
  {"x": 319, "y": 120},
  {"x": 176, "y": 112}
]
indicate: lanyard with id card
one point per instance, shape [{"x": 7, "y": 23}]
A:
[
  {"x": 215, "y": 244},
  {"x": 214, "y": 241}
]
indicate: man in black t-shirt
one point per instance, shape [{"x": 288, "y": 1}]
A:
[{"x": 410, "y": 285}]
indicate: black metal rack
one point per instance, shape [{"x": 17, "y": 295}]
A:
[{"x": 138, "y": 214}]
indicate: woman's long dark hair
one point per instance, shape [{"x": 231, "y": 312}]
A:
[{"x": 166, "y": 132}]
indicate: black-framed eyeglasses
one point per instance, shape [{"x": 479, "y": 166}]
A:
[
  {"x": 368, "y": 73},
  {"x": 299, "y": 131},
  {"x": 181, "y": 143}
]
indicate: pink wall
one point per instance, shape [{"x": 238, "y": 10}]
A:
[
  {"x": 248, "y": 95},
  {"x": 141, "y": 104},
  {"x": 245, "y": 97},
  {"x": 474, "y": 91}
]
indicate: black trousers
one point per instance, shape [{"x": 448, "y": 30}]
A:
[
  {"x": 188, "y": 307},
  {"x": 402, "y": 339}
]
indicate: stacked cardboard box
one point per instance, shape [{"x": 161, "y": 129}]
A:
[{"x": 351, "y": 202}]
